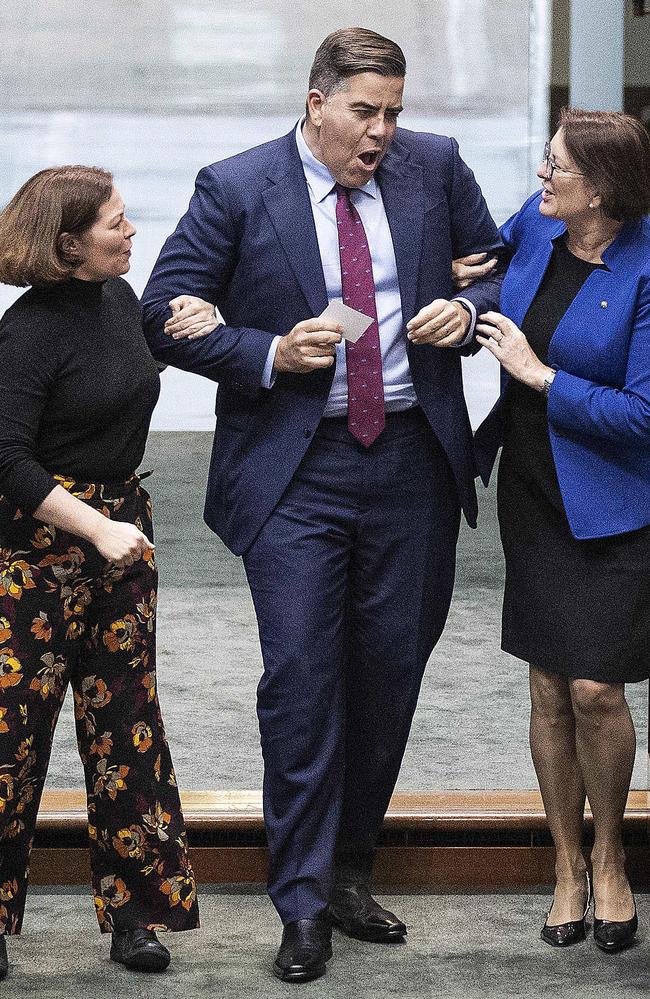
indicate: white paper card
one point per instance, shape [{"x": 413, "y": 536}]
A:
[{"x": 354, "y": 323}]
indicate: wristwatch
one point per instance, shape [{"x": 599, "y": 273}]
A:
[{"x": 548, "y": 381}]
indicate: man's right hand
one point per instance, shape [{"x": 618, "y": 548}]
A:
[{"x": 310, "y": 345}]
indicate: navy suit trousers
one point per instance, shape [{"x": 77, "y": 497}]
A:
[{"x": 351, "y": 577}]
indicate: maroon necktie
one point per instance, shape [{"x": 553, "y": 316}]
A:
[{"x": 365, "y": 378}]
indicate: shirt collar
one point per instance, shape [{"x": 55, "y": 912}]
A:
[{"x": 319, "y": 180}]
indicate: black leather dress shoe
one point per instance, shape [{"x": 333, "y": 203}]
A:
[
  {"x": 4, "y": 961},
  {"x": 353, "y": 910},
  {"x": 305, "y": 948},
  {"x": 565, "y": 934},
  {"x": 613, "y": 935},
  {"x": 139, "y": 950}
]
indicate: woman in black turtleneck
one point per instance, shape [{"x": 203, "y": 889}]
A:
[{"x": 77, "y": 571}]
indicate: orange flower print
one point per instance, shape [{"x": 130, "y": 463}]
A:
[
  {"x": 104, "y": 917},
  {"x": 3, "y": 725},
  {"x": 181, "y": 889},
  {"x": 49, "y": 680},
  {"x": 142, "y": 737},
  {"x": 156, "y": 768},
  {"x": 110, "y": 779},
  {"x": 75, "y": 630},
  {"x": 75, "y": 599},
  {"x": 41, "y": 627},
  {"x": 114, "y": 894},
  {"x": 15, "y": 576},
  {"x": 10, "y": 669},
  {"x": 131, "y": 842},
  {"x": 149, "y": 684},
  {"x": 25, "y": 798},
  {"x": 24, "y": 749},
  {"x": 157, "y": 822},
  {"x": 6, "y": 790},
  {"x": 14, "y": 829},
  {"x": 102, "y": 746},
  {"x": 95, "y": 692},
  {"x": 147, "y": 611},
  {"x": 114, "y": 891},
  {"x": 64, "y": 567},
  {"x": 5, "y": 630},
  {"x": 44, "y": 536},
  {"x": 121, "y": 635},
  {"x": 8, "y": 891}
]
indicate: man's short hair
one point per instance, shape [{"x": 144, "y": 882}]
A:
[{"x": 349, "y": 51}]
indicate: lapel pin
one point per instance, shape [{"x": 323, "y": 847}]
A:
[{"x": 603, "y": 304}]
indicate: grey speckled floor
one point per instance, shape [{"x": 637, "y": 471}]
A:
[
  {"x": 470, "y": 729},
  {"x": 470, "y": 946}
]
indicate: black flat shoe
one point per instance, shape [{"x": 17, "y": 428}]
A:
[
  {"x": 566, "y": 934},
  {"x": 139, "y": 950},
  {"x": 612, "y": 935},
  {"x": 4, "y": 960},
  {"x": 306, "y": 947},
  {"x": 353, "y": 910}
]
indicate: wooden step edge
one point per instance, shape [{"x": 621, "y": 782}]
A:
[{"x": 448, "y": 810}]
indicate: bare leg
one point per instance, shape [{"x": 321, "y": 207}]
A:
[
  {"x": 606, "y": 743},
  {"x": 553, "y": 748}
]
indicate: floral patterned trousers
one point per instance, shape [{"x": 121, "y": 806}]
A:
[{"x": 68, "y": 616}]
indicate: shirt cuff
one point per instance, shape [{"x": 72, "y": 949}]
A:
[
  {"x": 269, "y": 375},
  {"x": 472, "y": 322}
]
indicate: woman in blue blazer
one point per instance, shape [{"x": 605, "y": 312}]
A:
[{"x": 573, "y": 340}]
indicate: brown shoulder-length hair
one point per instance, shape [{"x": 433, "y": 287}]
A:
[
  {"x": 349, "y": 51},
  {"x": 612, "y": 149},
  {"x": 58, "y": 200}
]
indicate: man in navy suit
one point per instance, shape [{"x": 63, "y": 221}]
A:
[{"x": 339, "y": 469}]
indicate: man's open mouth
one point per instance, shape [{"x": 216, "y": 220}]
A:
[{"x": 370, "y": 157}]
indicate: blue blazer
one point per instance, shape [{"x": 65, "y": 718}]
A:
[
  {"x": 599, "y": 402},
  {"x": 248, "y": 244}
]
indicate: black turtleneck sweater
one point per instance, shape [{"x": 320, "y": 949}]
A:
[{"x": 77, "y": 388}]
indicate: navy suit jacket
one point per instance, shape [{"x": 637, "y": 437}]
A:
[
  {"x": 599, "y": 403},
  {"x": 248, "y": 244}
]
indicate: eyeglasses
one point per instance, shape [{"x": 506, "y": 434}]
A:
[{"x": 551, "y": 166}]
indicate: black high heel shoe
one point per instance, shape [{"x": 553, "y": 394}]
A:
[
  {"x": 612, "y": 935},
  {"x": 565, "y": 934}
]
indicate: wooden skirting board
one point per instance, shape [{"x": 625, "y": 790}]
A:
[{"x": 473, "y": 825}]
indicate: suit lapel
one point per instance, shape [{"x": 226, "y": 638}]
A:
[
  {"x": 288, "y": 205},
  {"x": 516, "y": 299},
  {"x": 402, "y": 192}
]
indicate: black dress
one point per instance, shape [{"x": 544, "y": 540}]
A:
[{"x": 580, "y": 609}]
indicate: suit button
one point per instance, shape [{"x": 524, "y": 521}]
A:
[{"x": 307, "y": 432}]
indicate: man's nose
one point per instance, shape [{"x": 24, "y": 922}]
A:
[{"x": 377, "y": 127}]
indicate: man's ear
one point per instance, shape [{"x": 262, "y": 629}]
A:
[{"x": 315, "y": 101}]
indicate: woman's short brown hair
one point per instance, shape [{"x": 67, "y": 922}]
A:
[
  {"x": 349, "y": 51},
  {"x": 612, "y": 149},
  {"x": 53, "y": 201}
]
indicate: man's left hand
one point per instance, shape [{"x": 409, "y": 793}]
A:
[{"x": 442, "y": 323}]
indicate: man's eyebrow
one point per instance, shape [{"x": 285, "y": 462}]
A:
[
  {"x": 117, "y": 215},
  {"x": 364, "y": 106}
]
